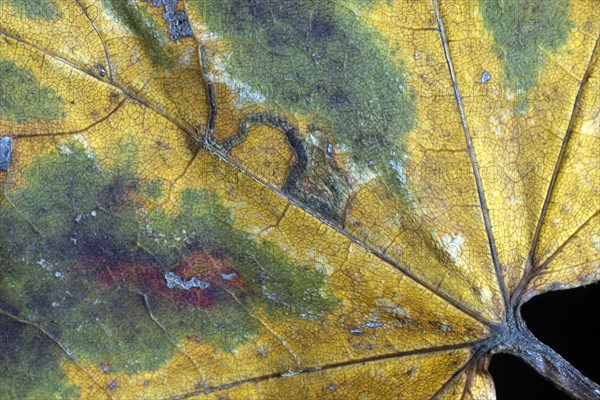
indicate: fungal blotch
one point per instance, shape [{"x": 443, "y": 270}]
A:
[
  {"x": 45, "y": 10},
  {"x": 316, "y": 59},
  {"x": 121, "y": 270},
  {"x": 23, "y": 99},
  {"x": 525, "y": 33},
  {"x": 142, "y": 24}
]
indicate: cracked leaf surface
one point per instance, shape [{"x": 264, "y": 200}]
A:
[{"x": 294, "y": 201}]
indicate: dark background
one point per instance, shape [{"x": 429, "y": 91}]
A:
[{"x": 567, "y": 321}]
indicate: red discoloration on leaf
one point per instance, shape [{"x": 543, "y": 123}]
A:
[
  {"x": 214, "y": 270},
  {"x": 143, "y": 276}
]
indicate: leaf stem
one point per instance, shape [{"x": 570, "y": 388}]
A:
[{"x": 518, "y": 341}]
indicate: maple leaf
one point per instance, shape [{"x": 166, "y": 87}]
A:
[{"x": 291, "y": 199}]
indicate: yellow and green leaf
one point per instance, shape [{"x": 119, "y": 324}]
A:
[{"x": 292, "y": 199}]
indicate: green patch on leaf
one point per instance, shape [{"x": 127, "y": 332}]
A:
[
  {"x": 29, "y": 364},
  {"x": 154, "y": 189},
  {"x": 278, "y": 284},
  {"x": 80, "y": 257},
  {"x": 525, "y": 31},
  {"x": 316, "y": 58},
  {"x": 142, "y": 24},
  {"x": 36, "y": 9},
  {"x": 224, "y": 327},
  {"x": 23, "y": 99}
]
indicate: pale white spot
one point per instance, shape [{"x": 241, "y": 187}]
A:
[
  {"x": 323, "y": 267},
  {"x": 314, "y": 140},
  {"x": 596, "y": 242},
  {"x": 88, "y": 149},
  {"x": 399, "y": 168},
  {"x": 248, "y": 94},
  {"x": 590, "y": 126},
  {"x": 453, "y": 245},
  {"x": 485, "y": 77},
  {"x": 64, "y": 149},
  {"x": 290, "y": 373},
  {"x": 174, "y": 280},
  {"x": 392, "y": 308},
  {"x": 188, "y": 56},
  {"x": 513, "y": 201},
  {"x": 44, "y": 264},
  {"x": 486, "y": 294},
  {"x": 204, "y": 35},
  {"x": 245, "y": 92},
  {"x": 444, "y": 327},
  {"x": 229, "y": 277}
]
